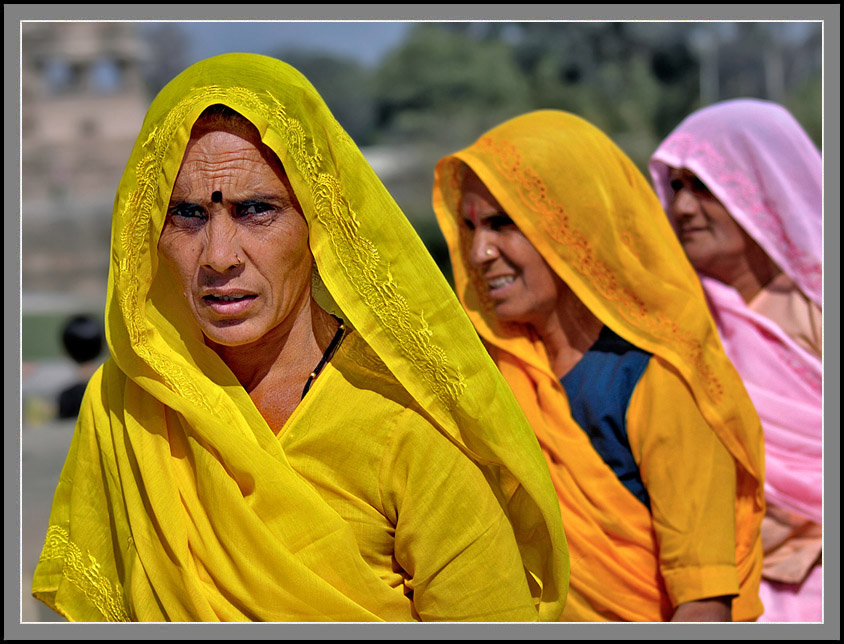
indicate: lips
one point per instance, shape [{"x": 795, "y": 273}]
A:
[
  {"x": 690, "y": 231},
  {"x": 497, "y": 285},
  {"x": 228, "y": 302}
]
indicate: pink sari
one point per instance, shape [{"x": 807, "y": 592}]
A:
[{"x": 761, "y": 165}]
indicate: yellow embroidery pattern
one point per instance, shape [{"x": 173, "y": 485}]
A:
[
  {"x": 576, "y": 247},
  {"x": 358, "y": 256},
  {"x": 85, "y": 575}
]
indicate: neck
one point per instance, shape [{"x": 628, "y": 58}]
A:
[
  {"x": 285, "y": 356},
  {"x": 748, "y": 285},
  {"x": 751, "y": 274},
  {"x": 568, "y": 332}
]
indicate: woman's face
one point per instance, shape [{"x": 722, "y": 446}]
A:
[
  {"x": 235, "y": 236},
  {"x": 518, "y": 279},
  {"x": 712, "y": 239}
]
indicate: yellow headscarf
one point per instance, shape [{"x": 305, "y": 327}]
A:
[
  {"x": 171, "y": 457},
  {"x": 597, "y": 223}
]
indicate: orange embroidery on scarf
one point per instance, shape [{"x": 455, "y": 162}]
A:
[
  {"x": 85, "y": 575},
  {"x": 358, "y": 256},
  {"x": 580, "y": 255}
]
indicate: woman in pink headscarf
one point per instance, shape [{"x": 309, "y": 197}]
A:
[{"x": 741, "y": 182}]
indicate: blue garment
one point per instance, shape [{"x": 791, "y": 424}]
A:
[{"x": 599, "y": 388}]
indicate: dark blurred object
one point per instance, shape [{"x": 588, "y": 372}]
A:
[
  {"x": 70, "y": 400},
  {"x": 82, "y": 339}
]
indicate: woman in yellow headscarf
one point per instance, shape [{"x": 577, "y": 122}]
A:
[
  {"x": 575, "y": 281},
  {"x": 265, "y": 445}
]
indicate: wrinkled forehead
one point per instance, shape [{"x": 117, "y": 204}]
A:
[{"x": 222, "y": 120}]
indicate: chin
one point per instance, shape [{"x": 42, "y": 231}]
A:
[
  {"x": 510, "y": 314},
  {"x": 701, "y": 263},
  {"x": 231, "y": 335}
]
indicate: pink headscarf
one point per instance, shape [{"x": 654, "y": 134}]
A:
[{"x": 757, "y": 160}]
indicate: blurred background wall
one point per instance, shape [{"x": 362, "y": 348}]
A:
[{"x": 407, "y": 92}]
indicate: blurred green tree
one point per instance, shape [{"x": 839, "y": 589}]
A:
[
  {"x": 635, "y": 81},
  {"x": 445, "y": 85}
]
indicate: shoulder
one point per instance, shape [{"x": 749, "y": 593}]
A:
[
  {"x": 605, "y": 378},
  {"x": 663, "y": 386},
  {"x": 370, "y": 389},
  {"x": 359, "y": 411},
  {"x": 363, "y": 436}
]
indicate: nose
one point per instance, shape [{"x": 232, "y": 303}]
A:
[
  {"x": 685, "y": 204},
  {"x": 484, "y": 247},
  {"x": 221, "y": 251}
]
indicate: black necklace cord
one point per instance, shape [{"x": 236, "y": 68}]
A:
[{"x": 329, "y": 353}]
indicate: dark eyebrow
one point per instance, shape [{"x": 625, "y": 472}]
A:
[
  {"x": 499, "y": 218},
  {"x": 282, "y": 201},
  {"x": 181, "y": 203}
]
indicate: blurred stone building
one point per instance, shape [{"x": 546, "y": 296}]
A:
[{"x": 83, "y": 102}]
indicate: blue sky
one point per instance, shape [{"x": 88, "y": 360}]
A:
[{"x": 365, "y": 42}]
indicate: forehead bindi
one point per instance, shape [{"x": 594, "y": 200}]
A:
[
  {"x": 470, "y": 211},
  {"x": 478, "y": 208}
]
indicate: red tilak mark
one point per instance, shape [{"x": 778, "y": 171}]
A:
[{"x": 473, "y": 215}]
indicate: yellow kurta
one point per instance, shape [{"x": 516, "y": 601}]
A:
[
  {"x": 401, "y": 486},
  {"x": 387, "y": 473}
]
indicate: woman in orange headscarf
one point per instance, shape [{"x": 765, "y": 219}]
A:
[{"x": 574, "y": 279}]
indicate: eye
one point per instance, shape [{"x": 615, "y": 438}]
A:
[
  {"x": 700, "y": 188},
  {"x": 468, "y": 223},
  {"x": 253, "y": 208},
  {"x": 186, "y": 213},
  {"x": 500, "y": 221},
  {"x": 676, "y": 185}
]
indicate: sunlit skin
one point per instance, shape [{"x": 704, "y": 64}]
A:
[
  {"x": 236, "y": 241},
  {"x": 520, "y": 282},
  {"x": 525, "y": 289},
  {"x": 714, "y": 243}
]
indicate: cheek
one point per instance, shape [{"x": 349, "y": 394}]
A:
[
  {"x": 538, "y": 276},
  {"x": 728, "y": 231},
  {"x": 544, "y": 288},
  {"x": 289, "y": 255},
  {"x": 179, "y": 256},
  {"x": 672, "y": 219}
]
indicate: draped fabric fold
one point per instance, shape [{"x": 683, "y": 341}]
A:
[
  {"x": 760, "y": 164},
  {"x": 177, "y": 501},
  {"x": 596, "y": 222}
]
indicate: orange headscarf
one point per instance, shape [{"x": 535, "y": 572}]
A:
[{"x": 597, "y": 223}]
